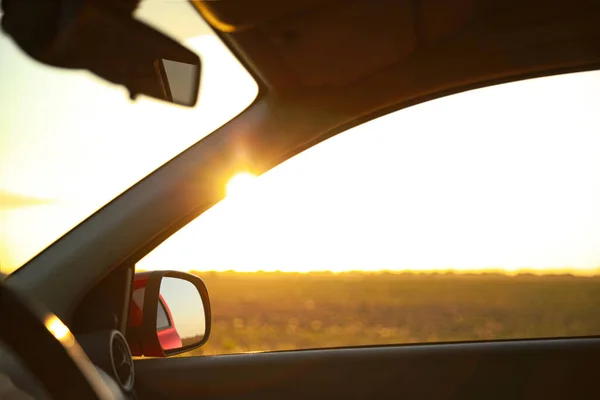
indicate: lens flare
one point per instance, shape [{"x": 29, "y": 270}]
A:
[
  {"x": 240, "y": 184},
  {"x": 58, "y": 329}
]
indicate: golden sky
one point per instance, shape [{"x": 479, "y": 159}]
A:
[
  {"x": 500, "y": 178},
  {"x": 504, "y": 177}
]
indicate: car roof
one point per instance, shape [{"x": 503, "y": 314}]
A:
[{"x": 307, "y": 44}]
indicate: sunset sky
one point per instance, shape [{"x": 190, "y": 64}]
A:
[{"x": 505, "y": 177}]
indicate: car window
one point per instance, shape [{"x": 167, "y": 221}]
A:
[
  {"x": 162, "y": 319},
  {"x": 70, "y": 142},
  {"x": 471, "y": 217}
]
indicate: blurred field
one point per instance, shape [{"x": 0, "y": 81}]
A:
[{"x": 283, "y": 311}]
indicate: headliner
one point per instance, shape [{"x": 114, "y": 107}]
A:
[{"x": 298, "y": 45}]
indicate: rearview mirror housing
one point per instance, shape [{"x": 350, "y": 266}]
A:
[
  {"x": 104, "y": 38},
  {"x": 169, "y": 313}
]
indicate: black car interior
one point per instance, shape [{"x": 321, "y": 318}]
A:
[{"x": 322, "y": 66}]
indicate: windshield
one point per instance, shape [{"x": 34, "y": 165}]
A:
[{"x": 70, "y": 142}]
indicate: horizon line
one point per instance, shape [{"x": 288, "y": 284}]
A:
[{"x": 588, "y": 272}]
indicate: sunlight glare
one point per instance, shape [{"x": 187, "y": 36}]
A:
[
  {"x": 57, "y": 328},
  {"x": 240, "y": 183}
]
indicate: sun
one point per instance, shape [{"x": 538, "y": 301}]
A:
[{"x": 240, "y": 183}]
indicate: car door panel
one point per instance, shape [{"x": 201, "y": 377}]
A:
[{"x": 553, "y": 368}]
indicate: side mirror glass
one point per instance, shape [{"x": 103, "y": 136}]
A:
[
  {"x": 169, "y": 313},
  {"x": 180, "y": 318}
]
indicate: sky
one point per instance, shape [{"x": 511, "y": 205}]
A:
[
  {"x": 502, "y": 178},
  {"x": 505, "y": 177}
]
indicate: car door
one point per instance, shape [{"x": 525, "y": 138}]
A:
[
  {"x": 553, "y": 369},
  {"x": 443, "y": 191}
]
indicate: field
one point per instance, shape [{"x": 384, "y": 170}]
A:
[{"x": 284, "y": 311}]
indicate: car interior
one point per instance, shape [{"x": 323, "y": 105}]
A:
[{"x": 323, "y": 66}]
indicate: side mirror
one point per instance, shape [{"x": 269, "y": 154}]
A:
[
  {"x": 169, "y": 313},
  {"x": 104, "y": 38}
]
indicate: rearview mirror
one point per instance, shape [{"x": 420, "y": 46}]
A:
[
  {"x": 99, "y": 37},
  {"x": 169, "y": 313}
]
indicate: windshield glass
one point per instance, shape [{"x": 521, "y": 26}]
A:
[{"x": 70, "y": 142}]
